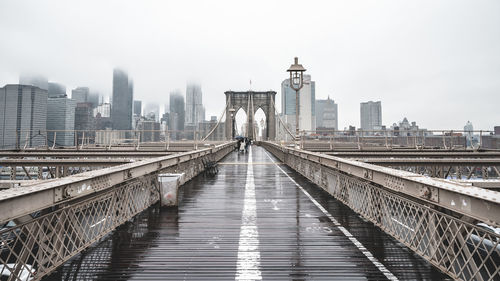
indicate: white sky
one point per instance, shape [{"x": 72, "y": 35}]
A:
[{"x": 435, "y": 62}]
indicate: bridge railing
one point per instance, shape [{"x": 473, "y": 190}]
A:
[
  {"x": 450, "y": 225},
  {"x": 45, "y": 224},
  {"x": 330, "y": 139},
  {"x": 25, "y": 139}
]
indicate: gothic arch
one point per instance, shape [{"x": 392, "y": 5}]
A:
[{"x": 250, "y": 102}]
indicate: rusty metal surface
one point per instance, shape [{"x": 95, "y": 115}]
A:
[{"x": 201, "y": 239}]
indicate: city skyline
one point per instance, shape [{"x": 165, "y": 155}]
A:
[{"x": 390, "y": 51}]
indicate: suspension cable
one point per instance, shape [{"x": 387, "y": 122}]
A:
[
  {"x": 279, "y": 118},
  {"x": 218, "y": 122}
]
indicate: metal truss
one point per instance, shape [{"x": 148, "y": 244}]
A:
[
  {"x": 444, "y": 236},
  {"x": 460, "y": 249},
  {"x": 37, "y": 247},
  {"x": 449, "y": 171},
  {"x": 79, "y": 210}
]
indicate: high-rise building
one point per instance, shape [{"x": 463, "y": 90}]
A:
[
  {"x": 151, "y": 109},
  {"x": 149, "y": 130},
  {"x": 195, "y": 113},
  {"x": 137, "y": 108},
  {"x": 327, "y": 114},
  {"x": 56, "y": 90},
  {"x": 307, "y": 104},
  {"x": 94, "y": 98},
  {"x": 123, "y": 96},
  {"x": 23, "y": 113},
  {"x": 61, "y": 121},
  {"x": 104, "y": 110},
  {"x": 84, "y": 117},
  {"x": 469, "y": 133},
  {"x": 371, "y": 115},
  {"x": 206, "y": 126},
  {"x": 177, "y": 114},
  {"x": 34, "y": 80},
  {"x": 80, "y": 94}
]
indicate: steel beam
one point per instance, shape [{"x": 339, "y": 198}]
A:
[{"x": 65, "y": 162}]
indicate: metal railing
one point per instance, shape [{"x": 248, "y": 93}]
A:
[
  {"x": 324, "y": 139},
  {"x": 45, "y": 224},
  {"x": 80, "y": 139},
  {"x": 450, "y": 225}
]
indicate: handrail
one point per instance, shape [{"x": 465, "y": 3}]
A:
[
  {"x": 17, "y": 202},
  {"x": 471, "y": 201}
]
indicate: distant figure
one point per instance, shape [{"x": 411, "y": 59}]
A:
[
  {"x": 238, "y": 144},
  {"x": 247, "y": 143},
  {"x": 243, "y": 146}
]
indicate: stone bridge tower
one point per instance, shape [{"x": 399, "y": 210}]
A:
[{"x": 251, "y": 101}]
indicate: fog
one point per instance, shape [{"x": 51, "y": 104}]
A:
[{"x": 434, "y": 62}]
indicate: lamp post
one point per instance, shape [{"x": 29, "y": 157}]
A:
[
  {"x": 232, "y": 110},
  {"x": 296, "y": 82}
]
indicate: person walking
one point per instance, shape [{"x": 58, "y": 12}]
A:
[{"x": 243, "y": 146}]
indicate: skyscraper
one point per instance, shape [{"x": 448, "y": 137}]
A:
[
  {"x": 307, "y": 104},
  {"x": 195, "y": 113},
  {"x": 80, "y": 94},
  {"x": 23, "y": 113},
  {"x": 34, "y": 80},
  {"x": 177, "y": 114},
  {"x": 93, "y": 98},
  {"x": 137, "y": 108},
  {"x": 123, "y": 96},
  {"x": 56, "y": 90},
  {"x": 327, "y": 114},
  {"x": 152, "y": 109},
  {"x": 371, "y": 115},
  {"x": 61, "y": 121}
]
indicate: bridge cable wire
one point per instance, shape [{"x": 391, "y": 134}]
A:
[
  {"x": 218, "y": 122},
  {"x": 253, "y": 122},
  {"x": 248, "y": 116},
  {"x": 279, "y": 118}
]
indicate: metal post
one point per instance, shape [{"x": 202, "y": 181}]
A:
[
  {"x": 17, "y": 139},
  {"x": 480, "y": 139},
  {"x": 451, "y": 139},
  {"x": 297, "y": 132}
]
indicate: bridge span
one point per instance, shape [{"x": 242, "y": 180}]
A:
[
  {"x": 274, "y": 213},
  {"x": 257, "y": 219}
]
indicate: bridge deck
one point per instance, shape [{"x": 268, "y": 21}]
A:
[{"x": 255, "y": 220}]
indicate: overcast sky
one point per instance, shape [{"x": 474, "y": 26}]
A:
[{"x": 434, "y": 62}]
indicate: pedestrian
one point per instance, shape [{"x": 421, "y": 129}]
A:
[
  {"x": 243, "y": 146},
  {"x": 247, "y": 143}
]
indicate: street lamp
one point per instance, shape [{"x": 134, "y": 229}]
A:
[
  {"x": 232, "y": 110},
  {"x": 296, "y": 82}
]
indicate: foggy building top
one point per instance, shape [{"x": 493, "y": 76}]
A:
[
  {"x": 121, "y": 107},
  {"x": 56, "y": 90},
  {"x": 195, "y": 112},
  {"x": 80, "y": 94},
  {"x": 39, "y": 81}
]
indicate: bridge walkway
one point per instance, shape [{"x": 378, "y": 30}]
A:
[{"x": 256, "y": 220}]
